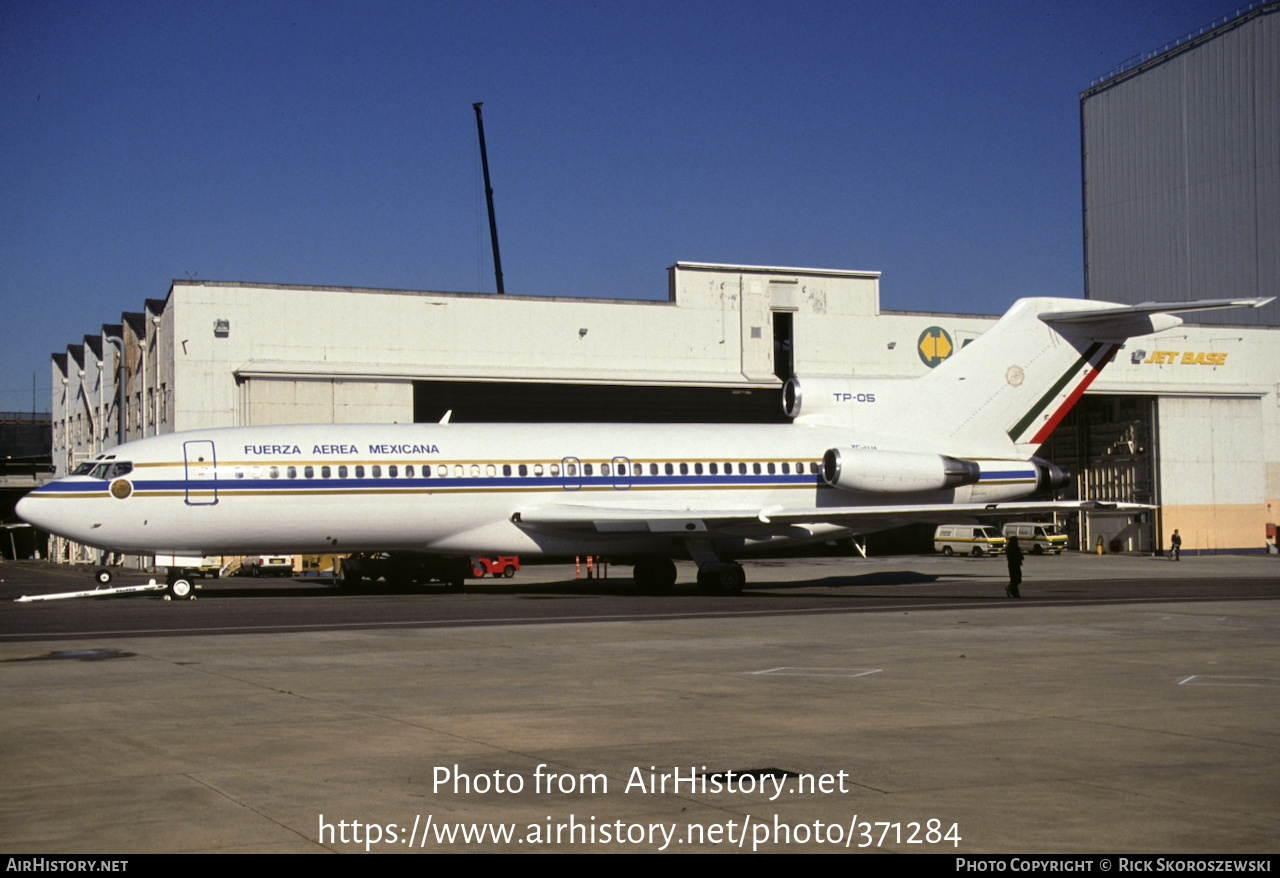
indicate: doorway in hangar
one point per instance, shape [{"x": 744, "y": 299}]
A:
[
  {"x": 1110, "y": 446},
  {"x": 509, "y": 402}
]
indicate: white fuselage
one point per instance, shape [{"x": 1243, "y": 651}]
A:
[{"x": 466, "y": 488}]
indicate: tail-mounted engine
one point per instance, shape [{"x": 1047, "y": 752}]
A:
[
  {"x": 895, "y": 472},
  {"x": 873, "y": 471}
]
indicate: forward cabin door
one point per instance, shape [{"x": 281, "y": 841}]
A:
[{"x": 201, "y": 465}]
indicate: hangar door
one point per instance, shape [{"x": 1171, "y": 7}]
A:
[{"x": 271, "y": 400}]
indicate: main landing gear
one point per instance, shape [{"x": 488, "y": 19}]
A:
[
  {"x": 657, "y": 575},
  {"x": 721, "y": 578}
]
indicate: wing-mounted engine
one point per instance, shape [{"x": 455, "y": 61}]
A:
[{"x": 873, "y": 471}]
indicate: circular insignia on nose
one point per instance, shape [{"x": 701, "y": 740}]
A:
[
  {"x": 1014, "y": 376},
  {"x": 121, "y": 488}
]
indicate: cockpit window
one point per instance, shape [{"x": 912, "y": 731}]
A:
[
  {"x": 83, "y": 469},
  {"x": 110, "y": 470}
]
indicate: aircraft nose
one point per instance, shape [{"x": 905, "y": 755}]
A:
[
  {"x": 41, "y": 510},
  {"x": 29, "y": 509}
]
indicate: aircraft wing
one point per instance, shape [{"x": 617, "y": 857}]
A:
[{"x": 701, "y": 523}]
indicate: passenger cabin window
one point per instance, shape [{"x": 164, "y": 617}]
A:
[
  {"x": 342, "y": 472},
  {"x": 274, "y": 472},
  {"x": 408, "y": 471},
  {"x": 506, "y": 469},
  {"x": 524, "y": 470},
  {"x": 293, "y": 472},
  {"x": 309, "y": 472},
  {"x": 359, "y": 472},
  {"x": 376, "y": 471},
  {"x": 392, "y": 471},
  {"x": 325, "y": 472}
]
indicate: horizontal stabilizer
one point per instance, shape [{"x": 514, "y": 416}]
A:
[{"x": 1106, "y": 313}]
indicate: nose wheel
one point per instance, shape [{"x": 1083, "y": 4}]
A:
[{"x": 180, "y": 587}]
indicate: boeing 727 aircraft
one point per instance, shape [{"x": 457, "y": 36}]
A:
[{"x": 860, "y": 455}]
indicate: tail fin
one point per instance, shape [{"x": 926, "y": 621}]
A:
[{"x": 1005, "y": 392}]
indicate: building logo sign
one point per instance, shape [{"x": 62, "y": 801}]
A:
[
  {"x": 934, "y": 346},
  {"x": 1179, "y": 358}
]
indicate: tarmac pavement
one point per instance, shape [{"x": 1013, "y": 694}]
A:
[{"x": 1030, "y": 729}]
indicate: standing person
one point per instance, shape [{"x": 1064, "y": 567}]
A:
[
  {"x": 1013, "y": 554},
  {"x": 1175, "y": 546}
]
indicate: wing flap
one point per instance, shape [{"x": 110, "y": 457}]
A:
[{"x": 701, "y": 522}]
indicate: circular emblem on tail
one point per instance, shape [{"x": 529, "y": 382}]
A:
[
  {"x": 121, "y": 488},
  {"x": 934, "y": 346},
  {"x": 1015, "y": 376}
]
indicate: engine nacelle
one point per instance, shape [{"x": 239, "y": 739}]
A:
[
  {"x": 1050, "y": 476},
  {"x": 874, "y": 471},
  {"x": 826, "y": 396}
]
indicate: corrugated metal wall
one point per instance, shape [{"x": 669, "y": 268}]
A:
[{"x": 1181, "y": 168}]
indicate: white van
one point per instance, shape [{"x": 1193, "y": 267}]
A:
[
  {"x": 967, "y": 539},
  {"x": 1036, "y": 538}
]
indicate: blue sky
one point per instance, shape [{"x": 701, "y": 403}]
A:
[{"x": 334, "y": 143}]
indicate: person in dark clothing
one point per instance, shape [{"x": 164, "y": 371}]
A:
[
  {"x": 1175, "y": 546},
  {"x": 1013, "y": 554}
]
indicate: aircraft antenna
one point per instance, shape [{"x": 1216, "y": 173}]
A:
[{"x": 488, "y": 194}]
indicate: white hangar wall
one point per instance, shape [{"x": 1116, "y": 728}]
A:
[{"x": 252, "y": 354}]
